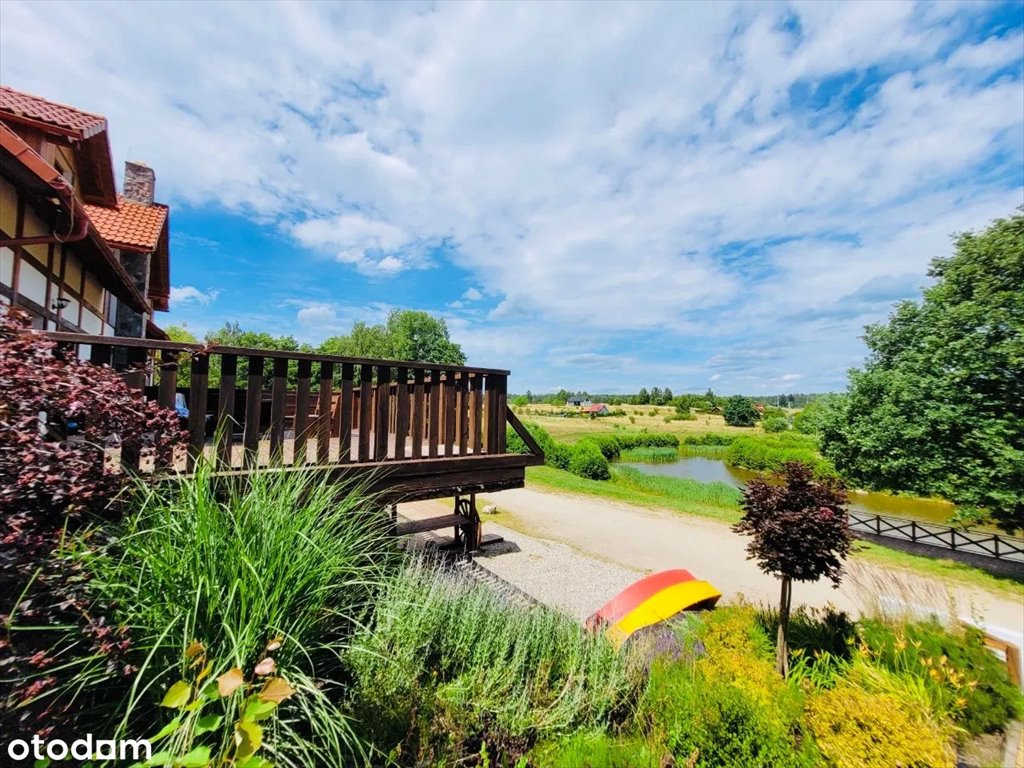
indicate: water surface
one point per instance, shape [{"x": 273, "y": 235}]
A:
[{"x": 711, "y": 470}]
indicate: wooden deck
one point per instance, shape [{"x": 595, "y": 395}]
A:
[{"x": 410, "y": 430}]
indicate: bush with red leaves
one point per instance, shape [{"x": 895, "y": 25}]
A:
[
  {"x": 799, "y": 531},
  {"x": 58, "y": 417}
]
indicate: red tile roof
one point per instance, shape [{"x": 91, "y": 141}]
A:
[
  {"x": 131, "y": 226},
  {"x": 595, "y": 408},
  {"x": 67, "y": 120}
]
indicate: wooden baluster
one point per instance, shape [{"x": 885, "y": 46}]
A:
[
  {"x": 197, "y": 390},
  {"x": 168, "y": 386},
  {"x": 476, "y": 412},
  {"x": 365, "y": 410},
  {"x": 463, "y": 399},
  {"x": 225, "y": 432},
  {"x": 449, "y": 413},
  {"x": 135, "y": 374},
  {"x": 380, "y": 447},
  {"x": 300, "y": 426},
  {"x": 345, "y": 412},
  {"x": 323, "y": 437},
  {"x": 418, "y": 407},
  {"x": 402, "y": 413},
  {"x": 491, "y": 406},
  {"x": 253, "y": 406},
  {"x": 501, "y": 416},
  {"x": 434, "y": 414},
  {"x": 278, "y": 391}
]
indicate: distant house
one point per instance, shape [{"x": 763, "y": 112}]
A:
[
  {"x": 579, "y": 401},
  {"x": 595, "y": 409}
]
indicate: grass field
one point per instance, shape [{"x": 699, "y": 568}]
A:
[
  {"x": 707, "y": 500},
  {"x": 570, "y": 430}
]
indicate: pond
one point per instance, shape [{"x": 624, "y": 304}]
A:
[{"x": 710, "y": 470}]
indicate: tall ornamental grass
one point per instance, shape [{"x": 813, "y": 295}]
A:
[
  {"x": 282, "y": 561},
  {"x": 680, "y": 488}
]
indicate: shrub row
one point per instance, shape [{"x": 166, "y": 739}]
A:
[
  {"x": 585, "y": 458},
  {"x": 768, "y": 453},
  {"x": 709, "y": 438}
]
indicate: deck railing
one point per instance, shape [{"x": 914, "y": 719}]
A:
[{"x": 296, "y": 408}]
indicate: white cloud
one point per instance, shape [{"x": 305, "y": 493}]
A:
[
  {"x": 189, "y": 294},
  {"x": 585, "y": 174}
]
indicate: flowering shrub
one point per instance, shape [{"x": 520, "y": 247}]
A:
[
  {"x": 855, "y": 728},
  {"x": 57, "y": 416},
  {"x": 962, "y": 677}
]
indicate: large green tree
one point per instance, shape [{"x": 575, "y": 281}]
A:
[
  {"x": 938, "y": 407},
  {"x": 740, "y": 412},
  {"x": 406, "y": 335}
]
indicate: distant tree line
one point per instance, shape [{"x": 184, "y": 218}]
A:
[{"x": 706, "y": 402}]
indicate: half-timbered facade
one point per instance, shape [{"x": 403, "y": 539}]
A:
[{"x": 73, "y": 253}]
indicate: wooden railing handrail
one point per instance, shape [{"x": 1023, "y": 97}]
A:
[{"x": 216, "y": 349}]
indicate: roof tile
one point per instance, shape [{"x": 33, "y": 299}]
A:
[
  {"x": 68, "y": 119},
  {"x": 132, "y": 226}
]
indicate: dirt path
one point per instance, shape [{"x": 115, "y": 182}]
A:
[{"x": 645, "y": 540}]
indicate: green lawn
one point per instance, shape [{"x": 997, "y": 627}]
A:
[{"x": 681, "y": 496}]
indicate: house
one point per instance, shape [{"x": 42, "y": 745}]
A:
[
  {"x": 596, "y": 409},
  {"x": 578, "y": 401},
  {"x": 73, "y": 253}
]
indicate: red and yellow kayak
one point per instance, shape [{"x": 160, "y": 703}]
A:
[{"x": 651, "y": 600}]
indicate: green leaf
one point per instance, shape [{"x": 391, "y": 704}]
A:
[
  {"x": 207, "y": 723},
  {"x": 162, "y": 757},
  {"x": 196, "y": 758},
  {"x": 256, "y": 710},
  {"x": 248, "y": 738},
  {"x": 167, "y": 730},
  {"x": 254, "y": 761},
  {"x": 177, "y": 695},
  {"x": 41, "y": 763},
  {"x": 211, "y": 691}
]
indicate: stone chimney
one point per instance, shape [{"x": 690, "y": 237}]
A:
[{"x": 139, "y": 183}]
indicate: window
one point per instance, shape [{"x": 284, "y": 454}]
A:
[{"x": 7, "y": 267}]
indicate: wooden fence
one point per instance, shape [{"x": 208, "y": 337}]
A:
[{"x": 992, "y": 545}]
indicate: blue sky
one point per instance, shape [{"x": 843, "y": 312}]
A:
[{"x": 597, "y": 196}]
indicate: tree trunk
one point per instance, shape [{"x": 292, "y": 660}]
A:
[{"x": 782, "y": 642}]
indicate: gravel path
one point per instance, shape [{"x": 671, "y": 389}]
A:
[{"x": 575, "y": 552}]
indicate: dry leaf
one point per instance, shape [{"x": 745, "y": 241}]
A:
[
  {"x": 230, "y": 681},
  {"x": 277, "y": 690},
  {"x": 266, "y": 667}
]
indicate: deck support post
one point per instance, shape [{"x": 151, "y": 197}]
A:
[{"x": 468, "y": 534}]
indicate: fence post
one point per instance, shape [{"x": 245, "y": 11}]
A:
[
  {"x": 995, "y": 543},
  {"x": 878, "y": 524},
  {"x": 913, "y": 531},
  {"x": 952, "y": 539}
]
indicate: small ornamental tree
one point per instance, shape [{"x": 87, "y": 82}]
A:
[
  {"x": 740, "y": 412},
  {"x": 799, "y": 531},
  {"x": 58, "y": 415}
]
